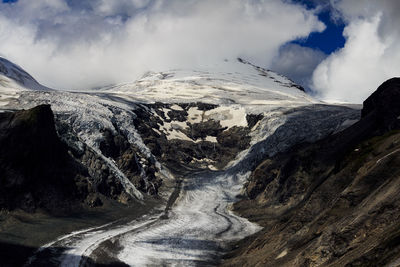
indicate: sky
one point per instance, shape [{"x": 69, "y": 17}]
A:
[{"x": 339, "y": 50}]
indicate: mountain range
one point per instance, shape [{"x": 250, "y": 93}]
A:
[{"x": 229, "y": 165}]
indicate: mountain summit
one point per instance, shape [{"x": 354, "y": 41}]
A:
[{"x": 228, "y": 82}]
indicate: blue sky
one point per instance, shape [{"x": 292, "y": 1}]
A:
[
  {"x": 331, "y": 38},
  {"x": 328, "y": 41},
  {"x": 99, "y": 42},
  {"x": 317, "y": 46}
]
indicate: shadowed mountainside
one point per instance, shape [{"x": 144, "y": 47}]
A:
[{"x": 334, "y": 202}]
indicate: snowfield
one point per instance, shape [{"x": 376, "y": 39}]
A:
[{"x": 230, "y": 82}]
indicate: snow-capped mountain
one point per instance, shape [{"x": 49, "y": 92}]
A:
[
  {"x": 13, "y": 79},
  {"x": 229, "y": 82},
  {"x": 189, "y": 138},
  {"x": 13, "y": 76}
]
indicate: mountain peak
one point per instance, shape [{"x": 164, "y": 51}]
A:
[{"x": 227, "y": 82}]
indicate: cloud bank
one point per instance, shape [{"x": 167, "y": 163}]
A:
[
  {"x": 371, "y": 54},
  {"x": 76, "y": 44}
]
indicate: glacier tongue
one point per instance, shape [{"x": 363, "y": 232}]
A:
[{"x": 196, "y": 228}]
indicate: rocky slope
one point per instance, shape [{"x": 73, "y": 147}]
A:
[{"x": 333, "y": 202}]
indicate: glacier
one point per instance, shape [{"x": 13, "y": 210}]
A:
[{"x": 199, "y": 227}]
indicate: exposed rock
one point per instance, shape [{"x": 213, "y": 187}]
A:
[
  {"x": 138, "y": 169},
  {"x": 253, "y": 119},
  {"x": 113, "y": 145},
  {"x": 203, "y": 129}
]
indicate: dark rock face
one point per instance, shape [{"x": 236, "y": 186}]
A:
[
  {"x": 252, "y": 119},
  {"x": 112, "y": 145},
  {"x": 139, "y": 170},
  {"x": 334, "y": 202},
  {"x": 383, "y": 105},
  {"x": 100, "y": 176},
  {"x": 36, "y": 169}
]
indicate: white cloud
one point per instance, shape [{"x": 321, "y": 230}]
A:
[
  {"x": 298, "y": 63},
  {"x": 81, "y": 43},
  {"x": 371, "y": 53}
]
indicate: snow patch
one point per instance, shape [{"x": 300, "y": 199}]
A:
[
  {"x": 228, "y": 116},
  {"x": 173, "y": 130},
  {"x": 205, "y": 160},
  {"x": 176, "y": 107},
  {"x": 195, "y": 115},
  {"x": 282, "y": 254},
  {"x": 174, "y": 134},
  {"x": 166, "y": 110},
  {"x": 212, "y": 167},
  {"x": 212, "y": 139}
]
